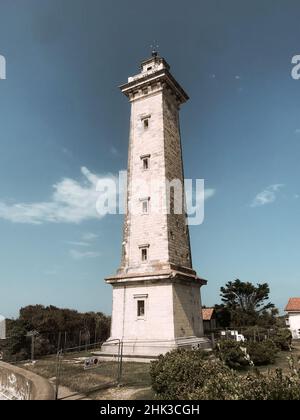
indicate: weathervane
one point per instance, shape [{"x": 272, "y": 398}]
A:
[{"x": 154, "y": 48}]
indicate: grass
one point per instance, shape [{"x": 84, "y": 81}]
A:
[
  {"x": 135, "y": 376},
  {"x": 281, "y": 362},
  {"x": 282, "y": 359},
  {"x": 136, "y": 381}
]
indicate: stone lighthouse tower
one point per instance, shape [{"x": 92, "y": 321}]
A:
[{"x": 156, "y": 292}]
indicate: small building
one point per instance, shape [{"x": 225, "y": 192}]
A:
[
  {"x": 293, "y": 317},
  {"x": 209, "y": 319}
]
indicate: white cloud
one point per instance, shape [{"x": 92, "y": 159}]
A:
[
  {"x": 208, "y": 193},
  {"x": 89, "y": 236},
  {"x": 114, "y": 151},
  {"x": 78, "y": 255},
  {"x": 71, "y": 202},
  {"x": 51, "y": 271},
  {"x": 84, "y": 244},
  {"x": 74, "y": 201},
  {"x": 268, "y": 196},
  {"x": 67, "y": 152}
]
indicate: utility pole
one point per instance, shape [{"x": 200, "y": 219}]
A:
[
  {"x": 59, "y": 342},
  {"x": 32, "y": 334},
  {"x": 32, "y": 348}
]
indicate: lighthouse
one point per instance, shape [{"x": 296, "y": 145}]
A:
[{"x": 156, "y": 292}]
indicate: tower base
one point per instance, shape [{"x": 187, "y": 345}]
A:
[
  {"x": 148, "y": 350},
  {"x": 154, "y": 313}
]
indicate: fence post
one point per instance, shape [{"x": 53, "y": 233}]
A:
[
  {"x": 59, "y": 342},
  {"x": 120, "y": 361},
  {"x": 32, "y": 347},
  {"x": 58, "y": 369},
  {"x": 213, "y": 342}
]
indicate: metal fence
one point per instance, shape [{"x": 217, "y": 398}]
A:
[
  {"x": 36, "y": 346},
  {"x": 83, "y": 371}
]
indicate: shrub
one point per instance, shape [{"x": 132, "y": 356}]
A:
[
  {"x": 232, "y": 354},
  {"x": 282, "y": 337},
  {"x": 184, "y": 374},
  {"x": 263, "y": 353},
  {"x": 178, "y": 374},
  {"x": 42, "y": 347},
  {"x": 231, "y": 386},
  {"x": 255, "y": 333}
]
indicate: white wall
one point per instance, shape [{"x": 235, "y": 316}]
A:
[
  {"x": 294, "y": 321},
  {"x": 158, "y": 323},
  {"x": 151, "y": 228}
]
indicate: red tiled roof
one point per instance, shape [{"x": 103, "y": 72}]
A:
[
  {"x": 207, "y": 314},
  {"x": 293, "y": 305}
]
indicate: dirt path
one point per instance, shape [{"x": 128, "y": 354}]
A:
[
  {"x": 111, "y": 394},
  {"x": 120, "y": 393},
  {"x": 67, "y": 394}
]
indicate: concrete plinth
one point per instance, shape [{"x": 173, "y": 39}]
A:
[{"x": 147, "y": 350}]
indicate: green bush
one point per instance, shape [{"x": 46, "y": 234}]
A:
[
  {"x": 230, "y": 386},
  {"x": 263, "y": 353},
  {"x": 282, "y": 338},
  {"x": 242, "y": 355},
  {"x": 184, "y": 374},
  {"x": 178, "y": 373},
  {"x": 255, "y": 333},
  {"x": 232, "y": 354}
]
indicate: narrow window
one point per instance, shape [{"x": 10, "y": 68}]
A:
[
  {"x": 145, "y": 164},
  {"x": 149, "y": 68},
  {"x": 172, "y": 235},
  {"x": 145, "y": 206},
  {"x": 144, "y": 254},
  {"x": 146, "y": 123},
  {"x": 140, "y": 308},
  {"x": 172, "y": 201}
]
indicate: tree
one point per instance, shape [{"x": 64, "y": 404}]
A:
[
  {"x": 223, "y": 316},
  {"x": 248, "y": 304},
  {"x": 16, "y": 347},
  {"x": 50, "y": 321}
]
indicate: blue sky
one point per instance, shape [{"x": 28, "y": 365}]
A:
[{"x": 63, "y": 119}]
